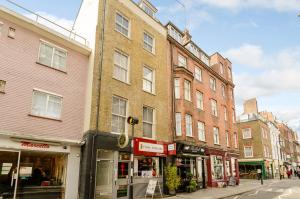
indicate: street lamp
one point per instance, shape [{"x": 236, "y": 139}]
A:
[{"x": 132, "y": 121}]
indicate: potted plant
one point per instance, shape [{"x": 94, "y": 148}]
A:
[{"x": 172, "y": 179}]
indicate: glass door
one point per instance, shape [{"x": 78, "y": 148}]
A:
[
  {"x": 104, "y": 179},
  {"x": 9, "y": 171}
]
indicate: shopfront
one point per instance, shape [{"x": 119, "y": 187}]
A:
[
  {"x": 216, "y": 166},
  {"x": 149, "y": 161},
  {"x": 34, "y": 169},
  {"x": 232, "y": 167},
  {"x": 191, "y": 164}
]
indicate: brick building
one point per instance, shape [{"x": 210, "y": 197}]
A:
[
  {"x": 254, "y": 142},
  {"x": 129, "y": 78},
  {"x": 43, "y": 76},
  {"x": 203, "y": 111}
]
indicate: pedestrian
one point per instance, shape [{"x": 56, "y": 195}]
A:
[
  {"x": 299, "y": 173},
  {"x": 281, "y": 173}
]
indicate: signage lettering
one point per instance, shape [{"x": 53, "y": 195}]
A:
[
  {"x": 35, "y": 145},
  {"x": 149, "y": 147}
]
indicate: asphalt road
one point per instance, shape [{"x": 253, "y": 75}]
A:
[{"x": 284, "y": 189}]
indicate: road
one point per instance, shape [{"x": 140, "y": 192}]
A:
[{"x": 284, "y": 189}]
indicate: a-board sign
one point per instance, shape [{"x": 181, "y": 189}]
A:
[{"x": 151, "y": 187}]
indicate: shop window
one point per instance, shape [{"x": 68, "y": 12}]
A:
[
  {"x": 228, "y": 168},
  {"x": 147, "y": 167},
  {"x": 217, "y": 167},
  {"x": 233, "y": 166}
]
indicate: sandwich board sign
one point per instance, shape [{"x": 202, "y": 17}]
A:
[{"x": 151, "y": 188}]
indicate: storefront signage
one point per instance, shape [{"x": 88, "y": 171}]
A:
[
  {"x": 172, "y": 149},
  {"x": 182, "y": 148},
  {"x": 34, "y": 145},
  {"x": 149, "y": 147},
  {"x": 123, "y": 140}
]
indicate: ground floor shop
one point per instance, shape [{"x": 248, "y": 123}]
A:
[
  {"x": 191, "y": 165},
  {"x": 222, "y": 168},
  {"x": 34, "y": 169},
  {"x": 249, "y": 168},
  {"x": 106, "y": 168}
]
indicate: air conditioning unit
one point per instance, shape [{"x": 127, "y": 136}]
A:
[{"x": 11, "y": 32}]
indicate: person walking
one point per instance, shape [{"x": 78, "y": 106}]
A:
[
  {"x": 298, "y": 172},
  {"x": 281, "y": 173}
]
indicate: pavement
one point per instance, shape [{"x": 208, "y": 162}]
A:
[
  {"x": 229, "y": 192},
  {"x": 285, "y": 189}
]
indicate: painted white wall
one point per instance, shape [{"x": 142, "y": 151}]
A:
[
  {"x": 72, "y": 178},
  {"x": 85, "y": 25}
]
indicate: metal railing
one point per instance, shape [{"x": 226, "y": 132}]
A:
[{"x": 50, "y": 24}]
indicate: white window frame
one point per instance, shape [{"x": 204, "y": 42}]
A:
[
  {"x": 201, "y": 131},
  {"x": 223, "y": 91},
  {"x": 225, "y": 113},
  {"x": 178, "y": 124},
  {"x": 146, "y": 43},
  {"x": 177, "y": 88},
  {"x": 213, "y": 83},
  {"x": 247, "y": 133},
  {"x": 118, "y": 115},
  {"x": 214, "y": 107},
  {"x": 152, "y": 81},
  {"x": 187, "y": 90},
  {"x": 198, "y": 73},
  {"x": 199, "y": 100},
  {"x": 183, "y": 62},
  {"x": 221, "y": 68},
  {"x": 129, "y": 25},
  {"x": 216, "y": 135},
  {"x": 54, "y": 48},
  {"x": 48, "y": 94},
  {"x": 121, "y": 67},
  {"x": 188, "y": 125},
  {"x": 245, "y": 154},
  {"x": 229, "y": 73},
  {"x": 148, "y": 122},
  {"x": 227, "y": 138},
  {"x": 148, "y": 10}
]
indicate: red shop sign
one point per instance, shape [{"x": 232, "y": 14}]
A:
[
  {"x": 150, "y": 147},
  {"x": 172, "y": 149},
  {"x": 35, "y": 145}
]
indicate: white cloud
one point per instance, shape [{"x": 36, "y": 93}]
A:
[{"x": 278, "y": 5}]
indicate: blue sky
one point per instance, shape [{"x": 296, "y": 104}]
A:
[{"x": 260, "y": 37}]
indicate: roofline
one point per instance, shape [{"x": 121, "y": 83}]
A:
[
  {"x": 174, "y": 26},
  {"x": 221, "y": 56},
  {"x": 43, "y": 30}
]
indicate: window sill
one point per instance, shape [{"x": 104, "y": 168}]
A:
[
  {"x": 214, "y": 116},
  {"x": 247, "y": 138},
  {"x": 152, "y": 53},
  {"x": 217, "y": 144},
  {"x": 44, "y": 117},
  {"x": 39, "y": 63},
  {"x": 189, "y": 136},
  {"x": 127, "y": 37},
  {"x": 154, "y": 94},
  {"x": 204, "y": 141},
  {"x": 128, "y": 83}
]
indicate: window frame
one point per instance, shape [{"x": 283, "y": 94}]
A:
[
  {"x": 216, "y": 132},
  {"x": 227, "y": 138},
  {"x": 177, "y": 88},
  {"x": 121, "y": 67},
  {"x": 199, "y": 101},
  {"x": 225, "y": 114},
  {"x": 178, "y": 123},
  {"x": 235, "y": 137},
  {"x": 221, "y": 68},
  {"x": 179, "y": 62},
  {"x": 212, "y": 103},
  {"x": 189, "y": 124},
  {"x": 129, "y": 24},
  {"x": 250, "y": 156},
  {"x": 118, "y": 115},
  {"x": 54, "y": 47},
  {"x": 212, "y": 83},
  {"x": 247, "y": 130},
  {"x": 146, "y": 42},
  {"x": 198, "y": 74},
  {"x": 187, "y": 90},
  {"x": 201, "y": 131},
  {"x": 147, "y": 122},
  {"x": 48, "y": 94},
  {"x": 152, "y": 81}
]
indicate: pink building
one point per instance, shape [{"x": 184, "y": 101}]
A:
[{"x": 43, "y": 80}]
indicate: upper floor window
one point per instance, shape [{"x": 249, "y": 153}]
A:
[
  {"x": 188, "y": 125},
  {"x": 214, "y": 109},
  {"x": 187, "y": 90},
  {"x": 225, "y": 113},
  {"x": 201, "y": 131},
  {"x": 246, "y": 133},
  {"x": 229, "y": 73},
  {"x": 221, "y": 68},
  {"x": 46, "y": 105},
  {"x": 235, "y": 139},
  {"x": 199, "y": 100},
  {"x": 175, "y": 34},
  {"x": 148, "y": 42},
  {"x": 177, "y": 88},
  {"x": 178, "y": 124},
  {"x": 119, "y": 109},
  {"x": 148, "y": 122},
  {"x": 182, "y": 61},
  {"x": 122, "y": 24},
  {"x": 216, "y": 135},
  {"x": 52, "y": 56},
  {"x": 148, "y": 80},
  {"x": 223, "y": 91},
  {"x": 233, "y": 115},
  {"x": 121, "y": 66},
  {"x": 227, "y": 139},
  {"x": 198, "y": 73},
  {"x": 248, "y": 151},
  {"x": 212, "y": 83}
]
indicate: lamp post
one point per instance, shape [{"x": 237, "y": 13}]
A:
[{"x": 132, "y": 121}]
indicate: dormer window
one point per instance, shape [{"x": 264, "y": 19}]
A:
[{"x": 148, "y": 8}]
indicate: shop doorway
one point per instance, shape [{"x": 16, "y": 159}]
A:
[
  {"x": 9, "y": 168},
  {"x": 105, "y": 177}
]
